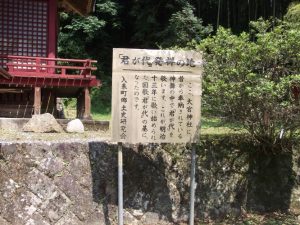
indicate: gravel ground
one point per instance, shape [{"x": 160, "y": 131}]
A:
[{"x": 19, "y": 136}]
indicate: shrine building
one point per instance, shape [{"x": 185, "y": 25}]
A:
[{"x": 32, "y": 78}]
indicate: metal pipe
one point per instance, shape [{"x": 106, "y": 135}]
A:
[
  {"x": 120, "y": 184},
  {"x": 192, "y": 184}
]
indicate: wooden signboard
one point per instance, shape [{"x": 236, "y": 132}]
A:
[{"x": 156, "y": 96}]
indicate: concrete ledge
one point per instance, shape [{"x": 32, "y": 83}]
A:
[
  {"x": 16, "y": 124},
  {"x": 12, "y": 124}
]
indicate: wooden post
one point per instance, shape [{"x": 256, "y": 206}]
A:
[
  {"x": 192, "y": 185},
  {"x": 87, "y": 104},
  {"x": 79, "y": 105},
  {"x": 37, "y": 100},
  {"x": 84, "y": 104},
  {"x": 120, "y": 184}
]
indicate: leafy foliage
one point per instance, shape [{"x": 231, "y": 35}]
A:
[
  {"x": 293, "y": 14},
  {"x": 92, "y": 37},
  {"x": 144, "y": 24},
  {"x": 183, "y": 27},
  {"x": 252, "y": 81},
  {"x": 82, "y": 37},
  {"x": 154, "y": 24}
]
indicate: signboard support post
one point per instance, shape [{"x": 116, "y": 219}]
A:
[
  {"x": 192, "y": 184},
  {"x": 120, "y": 183}
]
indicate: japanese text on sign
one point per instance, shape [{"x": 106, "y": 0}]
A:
[{"x": 156, "y": 96}]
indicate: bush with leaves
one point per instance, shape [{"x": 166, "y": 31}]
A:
[{"x": 253, "y": 78}]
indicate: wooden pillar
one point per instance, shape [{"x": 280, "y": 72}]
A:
[
  {"x": 87, "y": 104},
  {"x": 79, "y": 105},
  {"x": 37, "y": 100},
  {"x": 52, "y": 32},
  {"x": 52, "y": 25},
  {"x": 84, "y": 104}
]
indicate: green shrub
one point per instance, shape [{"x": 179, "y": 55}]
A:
[{"x": 248, "y": 78}]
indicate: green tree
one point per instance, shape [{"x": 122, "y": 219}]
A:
[
  {"x": 145, "y": 24},
  {"x": 252, "y": 81},
  {"x": 147, "y": 20},
  {"x": 293, "y": 14},
  {"x": 89, "y": 37},
  {"x": 93, "y": 37},
  {"x": 183, "y": 27}
]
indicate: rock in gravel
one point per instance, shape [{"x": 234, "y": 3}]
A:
[
  {"x": 75, "y": 126},
  {"x": 43, "y": 123}
]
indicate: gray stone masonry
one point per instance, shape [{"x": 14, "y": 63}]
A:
[{"x": 56, "y": 183}]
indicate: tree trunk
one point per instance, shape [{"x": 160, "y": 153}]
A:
[
  {"x": 249, "y": 14},
  {"x": 228, "y": 13},
  {"x": 274, "y": 8},
  {"x": 198, "y": 2},
  {"x": 219, "y": 11},
  {"x": 256, "y": 8},
  {"x": 234, "y": 14}
]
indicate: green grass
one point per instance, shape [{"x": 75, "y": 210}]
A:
[
  {"x": 101, "y": 116},
  {"x": 207, "y": 122},
  {"x": 102, "y": 112},
  {"x": 99, "y": 112},
  {"x": 213, "y": 125},
  {"x": 209, "y": 125}
]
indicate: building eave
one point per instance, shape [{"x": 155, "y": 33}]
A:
[{"x": 82, "y": 8}]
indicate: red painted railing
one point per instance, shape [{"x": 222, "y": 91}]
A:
[{"x": 38, "y": 66}]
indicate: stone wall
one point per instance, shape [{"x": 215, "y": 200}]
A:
[{"x": 76, "y": 183}]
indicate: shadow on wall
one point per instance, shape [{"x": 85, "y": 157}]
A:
[
  {"x": 229, "y": 177},
  {"x": 145, "y": 184},
  {"x": 271, "y": 180},
  {"x": 232, "y": 179},
  {"x": 103, "y": 161}
]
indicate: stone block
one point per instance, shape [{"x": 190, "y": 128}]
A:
[
  {"x": 24, "y": 206},
  {"x": 80, "y": 169},
  {"x": 56, "y": 207},
  {"x": 96, "y": 218},
  {"x": 69, "y": 219},
  {"x": 41, "y": 185},
  {"x": 69, "y": 151},
  {"x": 4, "y": 222},
  {"x": 151, "y": 218},
  {"x": 51, "y": 165}
]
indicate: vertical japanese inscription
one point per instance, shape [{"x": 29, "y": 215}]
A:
[
  {"x": 156, "y": 96},
  {"x": 124, "y": 108}
]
